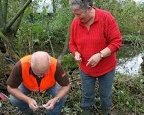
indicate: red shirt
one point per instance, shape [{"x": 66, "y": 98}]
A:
[{"x": 103, "y": 32}]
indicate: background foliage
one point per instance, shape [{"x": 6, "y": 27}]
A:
[{"x": 50, "y": 31}]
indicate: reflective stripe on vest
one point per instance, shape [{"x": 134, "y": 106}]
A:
[{"x": 30, "y": 81}]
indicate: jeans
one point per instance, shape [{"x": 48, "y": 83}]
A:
[
  {"x": 25, "y": 108},
  {"x": 105, "y": 90}
]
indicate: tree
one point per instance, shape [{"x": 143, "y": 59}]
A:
[
  {"x": 9, "y": 27},
  {"x": 10, "y": 19}
]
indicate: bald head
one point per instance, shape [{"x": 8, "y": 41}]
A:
[{"x": 40, "y": 62}]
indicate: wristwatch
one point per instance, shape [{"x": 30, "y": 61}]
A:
[{"x": 101, "y": 55}]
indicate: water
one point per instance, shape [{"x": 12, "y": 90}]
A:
[
  {"x": 130, "y": 66},
  {"x": 129, "y": 61}
]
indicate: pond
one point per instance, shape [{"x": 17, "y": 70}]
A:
[{"x": 130, "y": 61}]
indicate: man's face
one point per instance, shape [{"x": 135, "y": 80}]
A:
[
  {"x": 39, "y": 73},
  {"x": 83, "y": 15}
]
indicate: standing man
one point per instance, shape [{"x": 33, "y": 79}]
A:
[
  {"x": 40, "y": 73},
  {"x": 94, "y": 40}
]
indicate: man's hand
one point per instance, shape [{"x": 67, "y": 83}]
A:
[
  {"x": 50, "y": 104},
  {"x": 32, "y": 104}
]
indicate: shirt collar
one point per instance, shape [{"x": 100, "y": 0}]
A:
[{"x": 96, "y": 14}]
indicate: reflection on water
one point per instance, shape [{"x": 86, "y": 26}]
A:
[
  {"x": 131, "y": 66},
  {"x": 129, "y": 61}
]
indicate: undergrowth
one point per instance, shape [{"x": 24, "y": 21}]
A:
[{"x": 128, "y": 97}]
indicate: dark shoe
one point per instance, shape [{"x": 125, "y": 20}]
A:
[{"x": 86, "y": 112}]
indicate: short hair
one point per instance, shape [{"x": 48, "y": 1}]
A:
[
  {"x": 33, "y": 60},
  {"x": 39, "y": 54},
  {"x": 83, "y": 4}
]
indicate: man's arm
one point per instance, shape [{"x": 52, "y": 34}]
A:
[
  {"x": 13, "y": 82},
  {"x": 18, "y": 94},
  {"x": 62, "y": 92},
  {"x": 63, "y": 80}
]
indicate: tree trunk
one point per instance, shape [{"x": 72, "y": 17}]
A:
[{"x": 8, "y": 31}]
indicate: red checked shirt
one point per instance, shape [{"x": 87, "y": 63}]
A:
[{"x": 103, "y": 32}]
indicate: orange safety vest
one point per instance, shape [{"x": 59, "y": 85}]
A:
[{"x": 30, "y": 81}]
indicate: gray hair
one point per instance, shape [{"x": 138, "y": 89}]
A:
[
  {"x": 83, "y": 4},
  {"x": 38, "y": 56},
  {"x": 33, "y": 60}
]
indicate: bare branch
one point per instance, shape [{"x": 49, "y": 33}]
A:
[
  {"x": 1, "y": 14},
  {"x": 3, "y": 37},
  {"x": 65, "y": 49},
  {"x": 12, "y": 21},
  {"x": 4, "y": 10},
  {"x": 18, "y": 21}
]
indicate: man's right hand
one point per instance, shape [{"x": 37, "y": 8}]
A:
[{"x": 32, "y": 104}]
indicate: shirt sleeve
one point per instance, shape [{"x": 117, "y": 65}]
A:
[
  {"x": 112, "y": 33},
  {"x": 15, "y": 78},
  {"x": 61, "y": 76}
]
